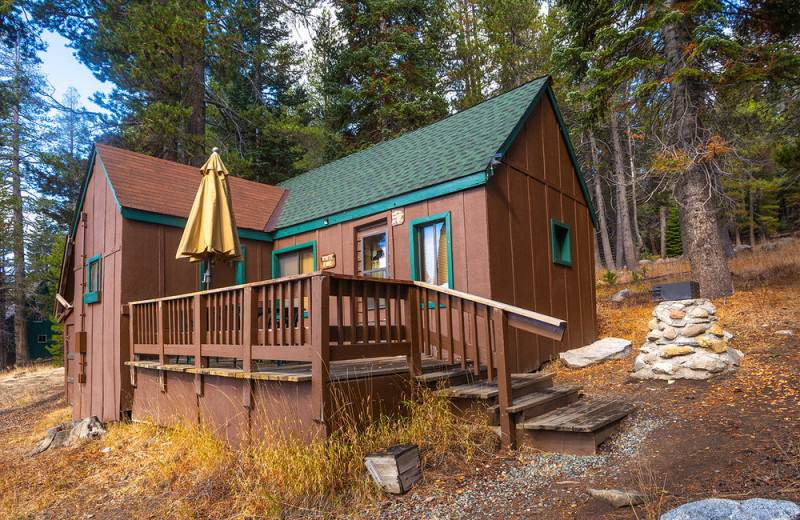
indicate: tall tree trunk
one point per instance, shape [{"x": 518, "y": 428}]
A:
[
  {"x": 686, "y": 134},
  {"x": 624, "y": 234},
  {"x": 662, "y": 222},
  {"x": 18, "y": 228},
  {"x": 196, "y": 127},
  {"x": 752, "y": 216},
  {"x": 600, "y": 204},
  {"x": 635, "y": 219}
]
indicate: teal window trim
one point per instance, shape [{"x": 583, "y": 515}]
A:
[
  {"x": 412, "y": 234},
  {"x": 92, "y": 294},
  {"x": 240, "y": 269},
  {"x": 560, "y": 241},
  {"x": 278, "y": 252}
]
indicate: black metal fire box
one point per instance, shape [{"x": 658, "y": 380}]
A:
[{"x": 676, "y": 291}]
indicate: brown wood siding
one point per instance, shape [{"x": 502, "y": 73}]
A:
[
  {"x": 536, "y": 183},
  {"x": 99, "y": 234},
  {"x": 138, "y": 262},
  {"x": 468, "y": 239}
]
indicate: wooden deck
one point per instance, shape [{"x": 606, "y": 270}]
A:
[{"x": 373, "y": 337}]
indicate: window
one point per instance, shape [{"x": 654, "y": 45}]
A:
[
  {"x": 374, "y": 255},
  {"x": 93, "y": 280},
  {"x": 42, "y": 338},
  {"x": 431, "y": 256},
  {"x": 37, "y": 318},
  {"x": 559, "y": 237},
  {"x": 289, "y": 261}
]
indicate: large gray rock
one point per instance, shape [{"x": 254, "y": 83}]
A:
[
  {"x": 597, "y": 352},
  {"x": 620, "y": 296},
  {"x": 721, "y": 509}
]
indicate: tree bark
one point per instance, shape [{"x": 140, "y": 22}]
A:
[
  {"x": 624, "y": 234},
  {"x": 686, "y": 135},
  {"x": 635, "y": 219},
  {"x": 662, "y": 221},
  {"x": 752, "y": 216},
  {"x": 18, "y": 228},
  {"x": 600, "y": 205}
]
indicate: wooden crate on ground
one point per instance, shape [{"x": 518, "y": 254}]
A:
[{"x": 395, "y": 469}]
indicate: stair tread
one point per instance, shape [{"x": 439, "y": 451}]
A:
[
  {"x": 583, "y": 416},
  {"x": 538, "y": 398},
  {"x": 488, "y": 389},
  {"x": 438, "y": 375}
]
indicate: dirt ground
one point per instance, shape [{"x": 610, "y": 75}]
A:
[{"x": 736, "y": 437}]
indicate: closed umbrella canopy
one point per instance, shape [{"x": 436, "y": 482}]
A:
[{"x": 210, "y": 233}]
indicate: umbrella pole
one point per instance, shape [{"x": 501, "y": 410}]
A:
[{"x": 207, "y": 276}]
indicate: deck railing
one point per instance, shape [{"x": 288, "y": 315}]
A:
[{"x": 320, "y": 317}]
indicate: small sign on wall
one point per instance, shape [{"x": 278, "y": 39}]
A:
[
  {"x": 398, "y": 217},
  {"x": 328, "y": 261}
]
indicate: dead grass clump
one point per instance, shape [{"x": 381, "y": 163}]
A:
[
  {"x": 26, "y": 370},
  {"x": 280, "y": 474}
]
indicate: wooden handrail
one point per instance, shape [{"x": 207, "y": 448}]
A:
[{"x": 518, "y": 317}]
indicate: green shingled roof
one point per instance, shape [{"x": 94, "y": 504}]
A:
[{"x": 457, "y": 146}]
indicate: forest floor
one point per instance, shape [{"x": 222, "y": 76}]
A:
[{"x": 737, "y": 437}]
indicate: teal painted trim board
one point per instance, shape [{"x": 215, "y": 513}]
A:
[
  {"x": 169, "y": 220},
  {"x": 110, "y": 186},
  {"x": 551, "y": 95},
  {"x": 561, "y": 242},
  {"x": 85, "y": 184},
  {"x": 412, "y": 235},
  {"x": 92, "y": 294},
  {"x": 276, "y": 266},
  {"x": 446, "y": 188}
]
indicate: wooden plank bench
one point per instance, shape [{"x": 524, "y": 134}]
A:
[{"x": 577, "y": 428}]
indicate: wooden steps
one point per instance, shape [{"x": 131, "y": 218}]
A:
[
  {"x": 577, "y": 428},
  {"x": 537, "y": 403},
  {"x": 488, "y": 391},
  {"x": 450, "y": 376}
]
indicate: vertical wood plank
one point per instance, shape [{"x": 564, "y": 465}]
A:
[
  {"x": 489, "y": 343},
  {"x": 352, "y": 285},
  {"x": 508, "y": 430},
  {"x": 364, "y": 312},
  {"x": 320, "y": 339},
  {"x": 437, "y": 311},
  {"x": 301, "y": 312},
  {"x": 376, "y": 310},
  {"x": 132, "y": 323},
  {"x": 199, "y": 335},
  {"x": 450, "y": 342},
  {"x": 391, "y": 291},
  {"x": 476, "y": 353},
  {"x": 463, "y": 336},
  {"x": 340, "y": 311},
  {"x": 249, "y": 336},
  {"x": 161, "y": 319},
  {"x": 290, "y": 313},
  {"x": 412, "y": 328}
]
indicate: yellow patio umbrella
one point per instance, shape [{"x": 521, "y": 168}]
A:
[{"x": 210, "y": 234}]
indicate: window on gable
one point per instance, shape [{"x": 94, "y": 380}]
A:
[
  {"x": 37, "y": 318},
  {"x": 375, "y": 255},
  {"x": 93, "y": 280},
  {"x": 430, "y": 248},
  {"x": 42, "y": 338},
  {"x": 560, "y": 240}
]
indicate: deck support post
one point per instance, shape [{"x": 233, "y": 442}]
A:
[
  {"x": 412, "y": 332},
  {"x": 132, "y": 337},
  {"x": 249, "y": 338},
  {"x": 320, "y": 340},
  {"x": 200, "y": 321},
  {"x": 508, "y": 430}
]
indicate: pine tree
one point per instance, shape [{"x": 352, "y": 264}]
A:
[
  {"x": 674, "y": 242},
  {"x": 389, "y": 71}
]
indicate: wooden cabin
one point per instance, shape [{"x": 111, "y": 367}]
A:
[{"x": 469, "y": 241}]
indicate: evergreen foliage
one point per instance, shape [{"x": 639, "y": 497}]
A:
[{"x": 674, "y": 242}]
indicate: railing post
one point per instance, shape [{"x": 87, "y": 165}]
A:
[
  {"x": 413, "y": 333},
  {"x": 198, "y": 335},
  {"x": 508, "y": 430},
  {"x": 132, "y": 335},
  {"x": 320, "y": 342},
  {"x": 162, "y": 359},
  {"x": 249, "y": 337}
]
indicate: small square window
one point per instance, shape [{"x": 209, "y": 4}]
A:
[
  {"x": 93, "y": 280},
  {"x": 560, "y": 239},
  {"x": 42, "y": 338},
  {"x": 37, "y": 318}
]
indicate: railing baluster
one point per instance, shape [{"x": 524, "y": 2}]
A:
[
  {"x": 390, "y": 296},
  {"x": 489, "y": 345},
  {"x": 364, "y": 312},
  {"x": 376, "y": 310},
  {"x": 437, "y": 310},
  {"x": 450, "y": 343},
  {"x": 353, "y": 311},
  {"x": 339, "y": 309}
]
